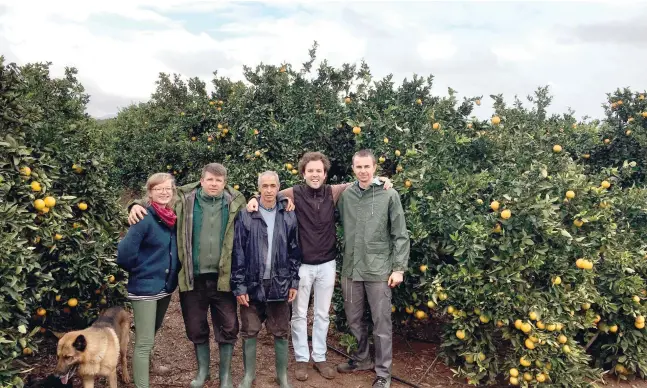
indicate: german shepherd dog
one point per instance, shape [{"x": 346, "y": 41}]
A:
[{"x": 97, "y": 350}]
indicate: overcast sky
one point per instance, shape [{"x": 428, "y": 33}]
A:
[{"x": 581, "y": 49}]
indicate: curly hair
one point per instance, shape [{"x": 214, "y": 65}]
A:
[{"x": 313, "y": 157}]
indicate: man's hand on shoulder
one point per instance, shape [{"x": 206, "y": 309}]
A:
[
  {"x": 290, "y": 206},
  {"x": 137, "y": 213},
  {"x": 387, "y": 182},
  {"x": 252, "y": 205}
]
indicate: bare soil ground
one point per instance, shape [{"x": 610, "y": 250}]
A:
[{"x": 415, "y": 362}]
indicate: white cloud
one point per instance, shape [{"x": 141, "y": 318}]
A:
[
  {"x": 129, "y": 67},
  {"x": 79, "y": 10},
  {"x": 437, "y": 47},
  {"x": 514, "y": 52},
  {"x": 476, "y": 48}
]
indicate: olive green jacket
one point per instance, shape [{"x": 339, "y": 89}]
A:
[
  {"x": 376, "y": 240},
  {"x": 184, "y": 203}
]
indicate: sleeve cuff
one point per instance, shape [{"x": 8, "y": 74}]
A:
[{"x": 240, "y": 290}]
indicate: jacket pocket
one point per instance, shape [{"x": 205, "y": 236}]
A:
[
  {"x": 377, "y": 247},
  {"x": 377, "y": 258},
  {"x": 283, "y": 270},
  {"x": 279, "y": 287}
]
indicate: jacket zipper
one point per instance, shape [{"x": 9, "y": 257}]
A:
[
  {"x": 361, "y": 196},
  {"x": 272, "y": 275}
]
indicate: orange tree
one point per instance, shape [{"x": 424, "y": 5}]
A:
[
  {"x": 59, "y": 221},
  {"x": 527, "y": 238},
  {"x": 625, "y": 135},
  {"x": 537, "y": 261}
]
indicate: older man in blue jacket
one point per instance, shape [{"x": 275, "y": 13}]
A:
[{"x": 265, "y": 275}]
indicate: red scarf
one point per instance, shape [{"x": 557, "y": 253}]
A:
[{"x": 167, "y": 215}]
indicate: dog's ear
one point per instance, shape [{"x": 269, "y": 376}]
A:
[
  {"x": 80, "y": 343},
  {"x": 57, "y": 334}
]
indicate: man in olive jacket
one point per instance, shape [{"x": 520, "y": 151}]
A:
[
  {"x": 206, "y": 211},
  {"x": 376, "y": 254}
]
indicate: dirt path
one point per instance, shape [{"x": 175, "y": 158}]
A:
[
  {"x": 174, "y": 350},
  {"x": 411, "y": 361}
]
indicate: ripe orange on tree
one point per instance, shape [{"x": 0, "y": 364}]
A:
[{"x": 50, "y": 202}]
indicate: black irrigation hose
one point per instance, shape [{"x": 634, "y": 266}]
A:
[
  {"x": 393, "y": 377},
  {"x": 414, "y": 338}
]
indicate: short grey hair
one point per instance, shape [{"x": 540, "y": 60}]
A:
[{"x": 271, "y": 173}]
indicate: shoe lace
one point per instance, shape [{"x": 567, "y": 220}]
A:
[{"x": 379, "y": 382}]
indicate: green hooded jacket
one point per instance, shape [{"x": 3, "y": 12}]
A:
[
  {"x": 376, "y": 240},
  {"x": 184, "y": 202}
]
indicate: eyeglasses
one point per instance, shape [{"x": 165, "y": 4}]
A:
[{"x": 163, "y": 189}]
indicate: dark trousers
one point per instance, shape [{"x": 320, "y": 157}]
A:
[
  {"x": 378, "y": 296},
  {"x": 195, "y": 306},
  {"x": 276, "y": 316}
]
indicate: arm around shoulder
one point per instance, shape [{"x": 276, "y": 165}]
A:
[
  {"x": 134, "y": 202},
  {"x": 288, "y": 193},
  {"x": 338, "y": 189}
]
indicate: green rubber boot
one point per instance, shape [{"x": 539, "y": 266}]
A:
[
  {"x": 249, "y": 362},
  {"x": 226, "y": 351},
  {"x": 203, "y": 355},
  {"x": 281, "y": 361}
]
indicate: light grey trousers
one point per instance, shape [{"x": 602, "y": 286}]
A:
[{"x": 378, "y": 295}]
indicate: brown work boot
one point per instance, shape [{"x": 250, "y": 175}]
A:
[
  {"x": 325, "y": 370},
  {"x": 301, "y": 372}
]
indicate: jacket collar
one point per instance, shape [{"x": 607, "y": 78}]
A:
[
  {"x": 281, "y": 202},
  {"x": 208, "y": 198},
  {"x": 153, "y": 213},
  {"x": 229, "y": 192},
  {"x": 310, "y": 192},
  {"x": 375, "y": 183},
  {"x": 151, "y": 210}
]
